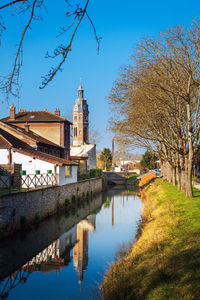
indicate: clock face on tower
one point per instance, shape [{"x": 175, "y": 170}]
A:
[{"x": 75, "y": 107}]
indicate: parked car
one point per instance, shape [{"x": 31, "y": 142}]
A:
[{"x": 158, "y": 172}]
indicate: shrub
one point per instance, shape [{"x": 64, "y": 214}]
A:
[
  {"x": 67, "y": 201},
  {"x": 73, "y": 199},
  {"x": 93, "y": 173},
  {"x": 133, "y": 180}
]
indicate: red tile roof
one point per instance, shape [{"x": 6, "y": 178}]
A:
[
  {"x": 12, "y": 141},
  {"x": 4, "y": 143},
  {"x": 46, "y": 157},
  {"x": 30, "y": 134},
  {"x": 7, "y": 140},
  {"x": 35, "y": 116},
  {"x": 78, "y": 157}
]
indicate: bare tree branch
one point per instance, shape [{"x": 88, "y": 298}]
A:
[
  {"x": 10, "y": 84},
  {"x": 11, "y": 3}
]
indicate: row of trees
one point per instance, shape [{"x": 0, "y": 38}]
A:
[
  {"x": 156, "y": 101},
  {"x": 149, "y": 160}
]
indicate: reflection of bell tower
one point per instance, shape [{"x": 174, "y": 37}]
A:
[
  {"x": 80, "y": 119},
  {"x": 80, "y": 250}
]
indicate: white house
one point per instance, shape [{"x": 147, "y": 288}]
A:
[{"x": 39, "y": 165}]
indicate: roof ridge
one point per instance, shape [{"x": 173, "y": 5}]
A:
[
  {"x": 46, "y": 111},
  {"x": 54, "y": 114},
  {"x": 45, "y": 155},
  {"x": 15, "y": 128},
  {"x": 22, "y": 131}
]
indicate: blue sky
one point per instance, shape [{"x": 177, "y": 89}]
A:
[{"x": 121, "y": 24}]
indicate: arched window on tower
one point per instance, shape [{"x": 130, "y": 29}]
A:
[{"x": 75, "y": 131}]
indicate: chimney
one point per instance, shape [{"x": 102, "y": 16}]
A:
[
  {"x": 12, "y": 112},
  {"x": 27, "y": 127},
  {"x": 57, "y": 112}
]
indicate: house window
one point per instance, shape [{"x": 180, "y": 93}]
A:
[
  {"x": 75, "y": 131},
  {"x": 75, "y": 118},
  {"x": 85, "y": 117},
  {"x": 68, "y": 171},
  {"x": 79, "y": 132}
]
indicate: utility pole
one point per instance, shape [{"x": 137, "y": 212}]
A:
[{"x": 113, "y": 153}]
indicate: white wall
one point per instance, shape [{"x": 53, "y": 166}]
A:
[
  {"x": 91, "y": 162},
  {"x": 30, "y": 165},
  {"x": 4, "y": 156},
  {"x": 69, "y": 179}
]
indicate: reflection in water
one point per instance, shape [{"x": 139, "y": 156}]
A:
[
  {"x": 63, "y": 241},
  {"x": 80, "y": 251},
  {"x": 56, "y": 255},
  {"x": 113, "y": 210}
]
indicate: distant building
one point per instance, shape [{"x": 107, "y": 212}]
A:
[
  {"x": 80, "y": 149},
  {"x": 50, "y": 126},
  {"x": 130, "y": 166}
]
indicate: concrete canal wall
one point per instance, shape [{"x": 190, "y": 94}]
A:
[
  {"x": 27, "y": 206},
  {"x": 146, "y": 178}
]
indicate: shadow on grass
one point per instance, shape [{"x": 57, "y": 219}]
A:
[{"x": 196, "y": 193}]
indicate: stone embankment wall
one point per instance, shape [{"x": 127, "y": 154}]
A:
[
  {"x": 27, "y": 206},
  {"x": 15, "y": 252}
]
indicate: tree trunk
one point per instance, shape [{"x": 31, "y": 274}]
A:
[
  {"x": 169, "y": 173},
  {"x": 179, "y": 177},
  {"x": 164, "y": 166},
  {"x": 183, "y": 183},
  {"x": 189, "y": 193},
  {"x": 161, "y": 167},
  {"x": 174, "y": 176},
  {"x": 189, "y": 156}
]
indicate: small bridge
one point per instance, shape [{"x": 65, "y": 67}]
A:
[{"x": 115, "y": 178}]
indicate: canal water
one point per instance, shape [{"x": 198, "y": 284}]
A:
[{"x": 66, "y": 256}]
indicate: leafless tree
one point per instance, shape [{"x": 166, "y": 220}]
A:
[
  {"x": 32, "y": 9},
  {"x": 157, "y": 100}
]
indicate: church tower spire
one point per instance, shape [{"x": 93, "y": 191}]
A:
[
  {"x": 80, "y": 119},
  {"x": 80, "y": 91}
]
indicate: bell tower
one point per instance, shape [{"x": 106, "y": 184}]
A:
[{"x": 80, "y": 119}]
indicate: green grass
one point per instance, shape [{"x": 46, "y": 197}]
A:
[
  {"x": 6, "y": 190},
  {"x": 164, "y": 263},
  {"x": 196, "y": 179},
  {"x": 133, "y": 180}
]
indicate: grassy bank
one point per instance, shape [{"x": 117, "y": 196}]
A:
[{"x": 164, "y": 263}]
